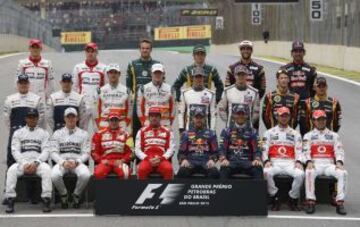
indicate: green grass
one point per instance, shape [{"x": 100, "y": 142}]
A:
[{"x": 353, "y": 75}]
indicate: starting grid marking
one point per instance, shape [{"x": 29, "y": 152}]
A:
[{"x": 92, "y": 215}]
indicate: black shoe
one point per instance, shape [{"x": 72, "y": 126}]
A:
[
  {"x": 46, "y": 205},
  {"x": 310, "y": 207},
  {"x": 76, "y": 201},
  {"x": 340, "y": 209},
  {"x": 293, "y": 204},
  {"x": 4, "y": 202},
  {"x": 64, "y": 201},
  {"x": 10, "y": 205},
  {"x": 275, "y": 203}
]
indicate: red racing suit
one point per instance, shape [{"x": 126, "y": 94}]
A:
[
  {"x": 155, "y": 142},
  {"x": 111, "y": 145}
]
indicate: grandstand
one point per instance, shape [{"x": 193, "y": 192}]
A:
[{"x": 114, "y": 23}]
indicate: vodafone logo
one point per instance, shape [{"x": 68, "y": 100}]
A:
[
  {"x": 321, "y": 149},
  {"x": 282, "y": 151}
]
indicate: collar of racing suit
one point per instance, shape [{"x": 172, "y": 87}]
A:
[
  {"x": 198, "y": 88},
  {"x": 30, "y": 129},
  {"x": 241, "y": 88},
  {"x": 325, "y": 130},
  {"x": 71, "y": 131},
  {"x": 35, "y": 61},
  {"x": 243, "y": 63},
  {"x": 278, "y": 90},
  {"x": 298, "y": 64},
  {"x": 91, "y": 65},
  {"x": 143, "y": 60},
  {"x": 317, "y": 98}
]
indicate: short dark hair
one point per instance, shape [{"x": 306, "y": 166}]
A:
[
  {"x": 281, "y": 71},
  {"x": 145, "y": 40}
]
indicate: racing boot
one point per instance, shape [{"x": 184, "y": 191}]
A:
[
  {"x": 275, "y": 203},
  {"x": 10, "y": 205},
  {"x": 64, "y": 201},
  {"x": 340, "y": 209},
  {"x": 76, "y": 201},
  {"x": 46, "y": 205},
  {"x": 293, "y": 204},
  {"x": 310, "y": 206}
]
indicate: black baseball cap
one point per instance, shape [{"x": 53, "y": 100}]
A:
[
  {"x": 199, "y": 48},
  {"x": 321, "y": 81},
  {"x": 297, "y": 45},
  {"x": 32, "y": 112},
  {"x": 23, "y": 77},
  {"x": 66, "y": 77}
]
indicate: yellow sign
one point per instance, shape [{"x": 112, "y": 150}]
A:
[
  {"x": 75, "y": 38},
  {"x": 183, "y": 32}
]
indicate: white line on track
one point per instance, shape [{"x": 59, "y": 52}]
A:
[
  {"x": 10, "y": 55},
  {"x": 87, "y": 215},
  {"x": 69, "y": 215},
  {"x": 310, "y": 217},
  {"x": 322, "y": 73}
]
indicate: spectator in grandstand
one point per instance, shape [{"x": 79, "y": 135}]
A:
[
  {"x": 69, "y": 148},
  {"x": 39, "y": 71},
  {"x": 63, "y": 99},
  {"x": 280, "y": 97},
  {"x": 155, "y": 147},
  {"x": 28, "y": 149},
  {"x": 139, "y": 73},
  {"x": 212, "y": 78},
  {"x": 239, "y": 151},
  {"x": 89, "y": 77},
  {"x": 198, "y": 150},
  {"x": 282, "y": 154}
]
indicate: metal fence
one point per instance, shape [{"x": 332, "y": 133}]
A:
[
  {"x": 286, "y": 22},
  {"x": 19, "y": 21}
]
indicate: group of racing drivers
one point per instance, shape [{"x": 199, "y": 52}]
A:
[{"x": 94, "y": 115}]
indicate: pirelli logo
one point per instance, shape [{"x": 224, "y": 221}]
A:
[{"x": 199, "y": 12}]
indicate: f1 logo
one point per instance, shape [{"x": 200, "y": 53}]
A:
[{"x": 167, "y": 196}]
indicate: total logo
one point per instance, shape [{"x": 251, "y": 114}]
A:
[{"x": 152, "y": 196}]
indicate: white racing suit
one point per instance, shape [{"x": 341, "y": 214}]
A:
[
  {"x": 59, "y": 102},
  {"x": 41, "y": 76},
  {"x": 191, "y": 100},
  {"x": 119, "y": 98},
  {"x": 233, "y": 96},
  {"x": 323, "y": 148},
  {"x": 150, "y": 95},
  {"x": 16, "y": 107},
  {"x": 70, "y": 144},
  {"x": 27, "y": 146},
  {"x": 283, "y": 147},
  {"x": 88, "y": 79}
]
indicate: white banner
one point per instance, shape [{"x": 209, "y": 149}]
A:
[
  {"x": 316, "y": 10},
  {"x": 256, "y": 14}
]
